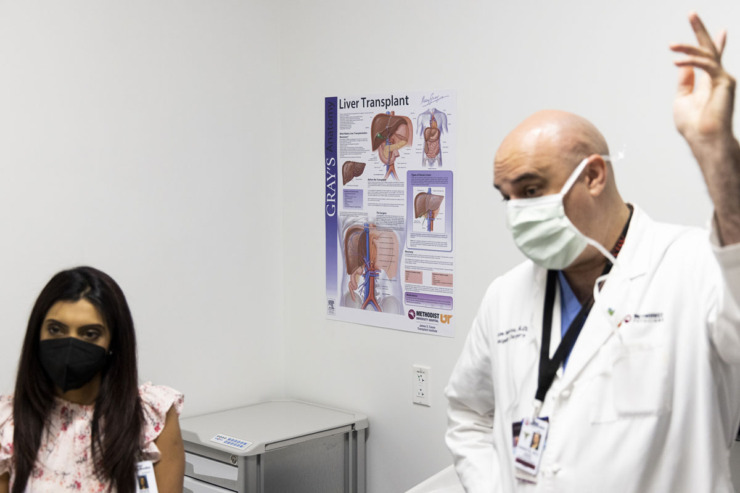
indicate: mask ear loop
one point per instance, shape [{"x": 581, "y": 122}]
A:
[
  {"x": 620, "y": 155},
  {"x": 573, "y": 177},
  {"x": 601, "y": 279},
  {"x": 568, "y": 184},
  {"x": 577, "y": 173},
  {"x": 606, "y": 253}
]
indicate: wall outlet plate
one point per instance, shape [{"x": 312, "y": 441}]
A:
[{"x": 420, "y": 385}]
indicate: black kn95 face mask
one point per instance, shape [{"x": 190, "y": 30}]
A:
[{"x": 69, "y": 362}]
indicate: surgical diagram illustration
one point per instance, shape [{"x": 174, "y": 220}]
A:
[
  {"x": 431, "y": 124},
  {"x": 389, "y": 133},
  {"x": 372, "y": 256},
  {"x": 426, "y": 205},
  {"x": 350, "y": 170}
]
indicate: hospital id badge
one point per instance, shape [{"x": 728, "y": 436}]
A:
[
  {"x": 145, "y": 482},
  {"x": 530, "y": 446}
]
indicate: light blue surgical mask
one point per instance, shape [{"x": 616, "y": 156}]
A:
[{"x": 544, "y": 233}]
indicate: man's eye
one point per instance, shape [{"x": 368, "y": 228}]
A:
[{"x": 531, "y": 192}]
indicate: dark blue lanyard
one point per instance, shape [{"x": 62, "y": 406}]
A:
[{"x": 549, "y": 367}]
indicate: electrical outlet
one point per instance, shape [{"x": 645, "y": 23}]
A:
[{"x": 420, "y": 385}]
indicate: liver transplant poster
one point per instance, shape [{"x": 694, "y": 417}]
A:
[{"x": 389, "y": 165}]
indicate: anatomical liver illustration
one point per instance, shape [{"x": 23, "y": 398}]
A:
[
  {"x": 431, "y": 124},
  {"x": 427, "y": 204},
  {"x": 368, "y": 252},
  {"x": 351, "y": 169},
  {"x": 389, "y": 133}
]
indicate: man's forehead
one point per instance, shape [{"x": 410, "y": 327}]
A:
[
  {"x": 523, "y": 167},
  {"x": 509, "y": 165},
  {"x": 518, "y": 180}
]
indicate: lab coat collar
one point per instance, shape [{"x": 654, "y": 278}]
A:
[{"x": 632, "y": 259}]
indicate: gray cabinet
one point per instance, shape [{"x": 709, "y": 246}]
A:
[{"x": 275, "y": 447}]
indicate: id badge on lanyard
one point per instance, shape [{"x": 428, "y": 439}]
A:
[
  {"x": 145, "y": 482},
  {"x": 530, "y": 444}
]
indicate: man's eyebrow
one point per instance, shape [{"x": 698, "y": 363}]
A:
[{"x": 521, "y": 178}]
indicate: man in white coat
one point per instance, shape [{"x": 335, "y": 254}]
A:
[{"x": 637, "y": 388}]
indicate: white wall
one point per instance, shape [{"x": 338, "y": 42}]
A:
[
  {"x": 608, "y": 61},
  {"x": 138, "y": 137},
  {"x": 176, "y": 144}
]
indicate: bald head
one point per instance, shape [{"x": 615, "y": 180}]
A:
[
  {"x": 554, "y": 133},
  {"x": 551, "y": 143}
]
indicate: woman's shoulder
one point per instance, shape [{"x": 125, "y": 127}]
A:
[
  {"x": 157, "y": 396},
  {"x": 156, "y": 402}
]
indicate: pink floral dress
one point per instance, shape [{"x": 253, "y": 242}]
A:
[{"x": 64, "y": 461}]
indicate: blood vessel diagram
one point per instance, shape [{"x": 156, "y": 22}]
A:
[
  {"x": 431, "y": 124},
  {"x": 351, "y": 169},
  {"x": 427, "y": 204},
  {"x": 371, "y": 259},
  {"x": 389, "y": 133}
]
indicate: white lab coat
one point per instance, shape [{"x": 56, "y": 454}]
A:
[{"x": 650, "y": 399}]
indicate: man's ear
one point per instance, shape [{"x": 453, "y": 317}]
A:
[{"x": 596, "y": 174}]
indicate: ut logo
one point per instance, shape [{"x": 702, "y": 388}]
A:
[{"x": 445, "y": 319}]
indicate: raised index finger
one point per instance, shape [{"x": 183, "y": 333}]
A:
[{"x": 705, "y": 40}]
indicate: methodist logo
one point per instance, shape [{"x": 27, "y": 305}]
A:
[{"x": 429, "y": 316}]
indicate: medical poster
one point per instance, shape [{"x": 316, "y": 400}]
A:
[{"x": 389, "y": 199}]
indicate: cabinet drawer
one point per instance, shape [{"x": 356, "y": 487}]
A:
[
  {"x": 211, "y": 471},
  {"x": 195, "y": 486}
]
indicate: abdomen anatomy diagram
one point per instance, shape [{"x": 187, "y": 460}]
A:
[
  {"x": 389, "y": 133},
  {"x": 351, "y": 169},
  {"x": 427, "y": 205},
  {"x": 431, "y": 124},
  {"x": 371, "y": 256}
]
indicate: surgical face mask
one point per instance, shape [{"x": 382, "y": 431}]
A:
[
  {"x": 544, "y": 233},
  {"x": 70, "y": 362}
]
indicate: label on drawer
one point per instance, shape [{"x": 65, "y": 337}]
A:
[{"x": 231, "y": 442}]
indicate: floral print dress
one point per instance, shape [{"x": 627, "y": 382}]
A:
[{"x": 64, "y": 461}]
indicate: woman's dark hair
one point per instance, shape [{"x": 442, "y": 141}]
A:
[{"x": 117, "y": 406}]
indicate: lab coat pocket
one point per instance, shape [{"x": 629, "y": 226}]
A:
[{"x": 640, "y": 381}]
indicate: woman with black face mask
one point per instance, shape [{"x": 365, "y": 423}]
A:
[{"x": 78, "y": 419}]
